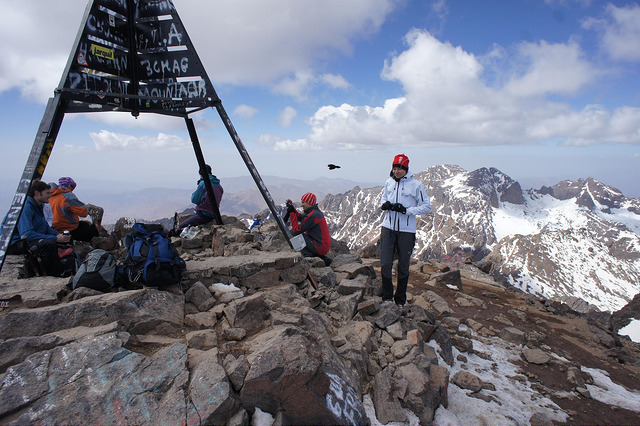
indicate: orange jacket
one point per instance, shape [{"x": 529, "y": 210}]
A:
[{"x": 66, "y": 209}]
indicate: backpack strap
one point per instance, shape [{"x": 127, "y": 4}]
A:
[{"x": 157, "y": 254}]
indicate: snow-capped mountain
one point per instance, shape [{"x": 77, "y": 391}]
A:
[{"x": 577, "y": 238}]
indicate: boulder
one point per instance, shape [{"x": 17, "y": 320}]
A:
[
  {"x": 47, "y": 384},
  {"x": 438, "y": 303},
  {"x": 513, "y": 335},
  {"x": 354, "y": 269},
  {"x": 368, "y": 307},
  {"x": 289, "y": 264},
  {"x": 386, "y": 403},
  {"x": 388, "y": 313},
  {"x": 344, "y": 307},
  {"x": 325, "y": 276},
  {"x": 17, "y": 349},
  {"x": 201, "y": 320},
  {"x": 349, "y": 286},
  {"x": 202, "y": 339},
  {"x": 302, "y": 377},
  {"x": 451, "y": 277},
  {"x": 210, "y": 393},
  {"x": 426, "y": 390},
  {"x": 535, "y": 356},
  {"x": 236, "y": 369},
  {"x": 466, "y": 380},
  {"x": 140, "y": 311},
  {"x": 199, "y": 295},
  {"x": 250, "y": 313},
  {"x": 442, "y": 337}
]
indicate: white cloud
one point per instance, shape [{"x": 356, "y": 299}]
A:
[
  {"x": 591, "y": 126},
  {"x": 110, "y": 141},
  {"x": 440, "y": 8},
  {"x": 263, "y": 41},
  {"x": 143, "y": 121},
  {"x": 287, "y": 115},
  {"x": 35, "y": 42},
  {"x": 448, "y": 102},
  {"x": 301, "y": 83},
  {"x": 335, "y": 81},
  {"x": 432, "y": 67},
  {"x": 551, "y": 69},
  {"x": 619, "y": 31},
  {"x": 240, "y": 42},
  {"x": 568, "y": 3},
  {"x": 296, "y": 86},
  {"x": 245, "y": 111},
  {"x": 72, "y": 149}
]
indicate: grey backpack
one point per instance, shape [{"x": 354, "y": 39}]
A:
[{"x": 98, "y": 271}]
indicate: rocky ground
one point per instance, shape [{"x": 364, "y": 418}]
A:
[
  {"x": 583, "y": 340},
  {"x": 250, "y": 333}
]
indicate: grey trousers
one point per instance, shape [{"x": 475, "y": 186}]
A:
[{"x": 402, "y": 243}]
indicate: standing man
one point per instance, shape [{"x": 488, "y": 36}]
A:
[
  {"x": 312, "y": 225},
  {"x": 34, "y": 228},
  {"x": 403, "y": 198}
]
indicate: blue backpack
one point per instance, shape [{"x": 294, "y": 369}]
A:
[{"x": 152, "y": 259}]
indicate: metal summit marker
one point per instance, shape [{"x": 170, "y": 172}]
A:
[{"x": 132, "y": 56}]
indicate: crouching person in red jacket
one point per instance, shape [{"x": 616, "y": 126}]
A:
[{"x": 312, "y": 225}]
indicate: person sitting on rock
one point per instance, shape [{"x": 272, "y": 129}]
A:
[
  {"x": 33, "y": 227},
  {"x": 312, "y": 225},
  {"x": 257, "y": 221},
  {"x": 67, "y": 210},
  {"x": 204, "y": 209}
]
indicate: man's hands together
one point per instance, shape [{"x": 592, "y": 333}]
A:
[{"x": 396, "y": 207}]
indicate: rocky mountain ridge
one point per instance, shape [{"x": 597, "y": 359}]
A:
[
  {"x": 577, "y": 239},
  {"x": 258, "y": 331}
]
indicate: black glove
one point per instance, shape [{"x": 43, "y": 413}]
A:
[
  {"x": 290, "y": 208},
  {"x": 397, "y": 207},
  {"x": 386, "y": 205}
]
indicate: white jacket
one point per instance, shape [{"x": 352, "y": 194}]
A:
[{"x": 411, "y": 194}]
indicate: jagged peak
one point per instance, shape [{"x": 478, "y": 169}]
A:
[
  {"x": 441, "y": 172},
  {"x": 496, "y": 185},
  {"x": 589, "y": 193}
]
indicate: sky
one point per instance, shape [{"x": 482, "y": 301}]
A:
[{"x": 542, "y": 90}]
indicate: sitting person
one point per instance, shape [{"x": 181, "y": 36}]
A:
[
  {"x": 67, "y": 210},
  {"x": 312, "y": 225},
  {"x": 257, "y": 221},
  {"x": 33, "y": 227},
  {"x": 200, "y": 197}
]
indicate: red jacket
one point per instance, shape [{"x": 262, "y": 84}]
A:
[{"x": 315, "y": 226}]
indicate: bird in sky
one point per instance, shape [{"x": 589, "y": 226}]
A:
[{"x": 332, "y": 166}]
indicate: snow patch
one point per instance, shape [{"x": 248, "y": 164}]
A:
[
  {"x": 604, "y": 390},
  {"x": 632, "y": 330}
]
